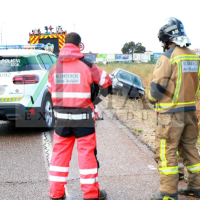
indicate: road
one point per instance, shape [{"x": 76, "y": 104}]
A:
[
  {"x": 127, "y": 167},
  {"x": 23, "y": 174}
]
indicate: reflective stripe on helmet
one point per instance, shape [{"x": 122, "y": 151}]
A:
[{"x": 171, "y": 28}]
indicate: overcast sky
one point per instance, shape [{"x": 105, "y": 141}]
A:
[{"x": 104, "y": 25}]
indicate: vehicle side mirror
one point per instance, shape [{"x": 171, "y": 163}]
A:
[{"x": 144, "y": 87}]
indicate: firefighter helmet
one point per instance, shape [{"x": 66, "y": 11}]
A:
[{"x": 173, "y": 31}]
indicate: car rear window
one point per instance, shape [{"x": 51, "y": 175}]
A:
[{"x": 14, "y": 64}]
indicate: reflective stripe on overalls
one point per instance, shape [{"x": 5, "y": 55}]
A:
[
  {"x": 164, "y": 169},
  {"x": 194, "y": 168}
]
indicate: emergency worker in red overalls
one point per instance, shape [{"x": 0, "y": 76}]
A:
[{"x": 69, "y": 83}]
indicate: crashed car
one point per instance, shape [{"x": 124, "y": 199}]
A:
[{"x": 126, "y": 84}]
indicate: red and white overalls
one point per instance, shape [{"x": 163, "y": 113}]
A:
[{"x": 69, "y": 84}]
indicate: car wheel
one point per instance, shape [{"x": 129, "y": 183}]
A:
[{"x": 48, "y": 116}]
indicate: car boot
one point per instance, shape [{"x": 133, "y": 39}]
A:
[
  {"x": 61, "y": 198},
  {"x": 181, "y": 176},
  {"x": 164, "y": 196},
  {"x": 189, "y": 192},
  {"x": 102, "y": 196}
]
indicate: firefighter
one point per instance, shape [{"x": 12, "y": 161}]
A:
[
  {"x": 173, "y": 90},
  {"x": 70, "y": 83}
]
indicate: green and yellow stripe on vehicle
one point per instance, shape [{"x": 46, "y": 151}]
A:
[{"x": 10, "y": 99}]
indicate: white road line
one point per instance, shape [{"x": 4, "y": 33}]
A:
[{"x": 47, "y": 147}]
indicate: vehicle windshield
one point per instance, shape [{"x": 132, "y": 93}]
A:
[
  {"x": 16, "y": 64},
  {"x": 130, "y": 78}
]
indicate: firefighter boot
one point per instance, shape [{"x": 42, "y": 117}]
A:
[
  {"x": 61, "y": 198},
  {"x": 189, "y": 192},
  {"x": 102, "y": 196},
  {"x": 164, "y": 196}
]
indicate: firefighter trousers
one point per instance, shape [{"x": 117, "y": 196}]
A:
[
  {"x": 177, "y": 131},
  {"x": 60, "y": 161}
]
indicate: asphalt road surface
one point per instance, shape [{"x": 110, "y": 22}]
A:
[
  {"x": 23, "y": 175},
  {"x": 127, "y": 167}
]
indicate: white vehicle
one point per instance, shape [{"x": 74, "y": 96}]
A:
[{"x": 24, "y": 96}]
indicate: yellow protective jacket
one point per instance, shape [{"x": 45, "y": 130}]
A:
[{"x": 175, "y": 81}]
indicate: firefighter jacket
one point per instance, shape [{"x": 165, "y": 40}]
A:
[
  {"x": 69, "y": 83},
  {"x": 175, "y": 81}
]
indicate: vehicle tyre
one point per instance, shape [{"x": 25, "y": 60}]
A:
[{"x": 48, "y": 120}]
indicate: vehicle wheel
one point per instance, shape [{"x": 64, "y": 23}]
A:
[{"x": 48, "y": 121}]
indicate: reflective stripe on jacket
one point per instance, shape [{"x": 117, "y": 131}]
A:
[{"x": 175, "y": 81}]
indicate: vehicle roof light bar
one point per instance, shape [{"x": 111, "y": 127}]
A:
[{"x": 27, "y": 46}]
